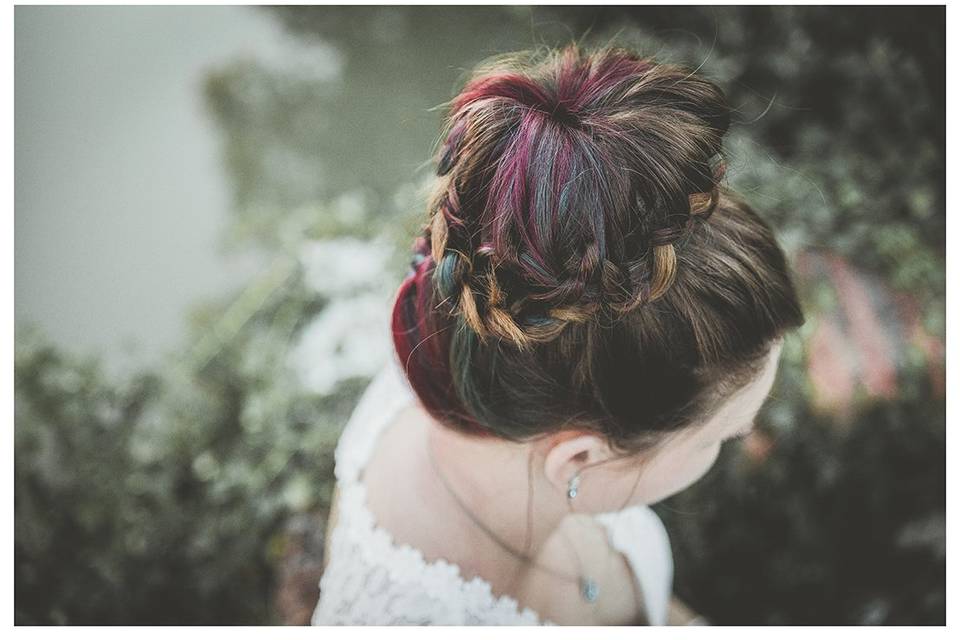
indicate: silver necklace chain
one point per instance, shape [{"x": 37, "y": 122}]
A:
[{"x": 589, "y": 590}]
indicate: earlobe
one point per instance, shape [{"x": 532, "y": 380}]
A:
[{"x": 566, "y": 458}]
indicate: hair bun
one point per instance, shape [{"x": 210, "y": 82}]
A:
[{"x": 567, "y": 181}]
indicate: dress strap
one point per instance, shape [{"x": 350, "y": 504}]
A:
[
  {"x": 386, "y": 394},
  {"x": 638, "y": 533}
]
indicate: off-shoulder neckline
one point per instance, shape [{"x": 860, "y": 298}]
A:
[{"x": 354, "y": 493}]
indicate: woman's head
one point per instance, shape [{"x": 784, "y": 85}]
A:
[
  {"x": 674, "y": 462},
  {"x": 568, "y": 279}
]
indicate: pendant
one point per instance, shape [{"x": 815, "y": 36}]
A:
[{"x": 589, "y": 590}]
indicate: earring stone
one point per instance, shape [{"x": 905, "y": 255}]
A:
[{"x": 573, "y": 487}]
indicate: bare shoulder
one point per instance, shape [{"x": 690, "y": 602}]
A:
[
  {"x": 581, "y": 541},
  {"x": 680, "y": 613}
]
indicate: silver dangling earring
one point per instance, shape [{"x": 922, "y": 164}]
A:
[
  {"x": 588, "y": 588},
  {"x": 573, "y": 486}
]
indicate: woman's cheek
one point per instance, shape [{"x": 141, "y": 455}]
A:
[
  {"x": 676, "y": 473},
  {"x": 700, "y": 465}
]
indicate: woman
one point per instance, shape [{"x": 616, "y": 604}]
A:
[{"x": 573, "y": 343}]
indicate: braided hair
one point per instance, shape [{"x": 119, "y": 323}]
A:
[{"x": 566, "y": 252}]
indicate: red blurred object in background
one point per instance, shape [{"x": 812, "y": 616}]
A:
[{"x": 859, "y": 346}]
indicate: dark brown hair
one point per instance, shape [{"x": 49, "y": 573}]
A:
[{"x": 568, "y": 274}]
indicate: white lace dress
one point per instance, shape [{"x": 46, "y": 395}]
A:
[{"x": 372, "y": 580}]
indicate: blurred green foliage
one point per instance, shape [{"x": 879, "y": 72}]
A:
[
  {"x": 158, "y": 500},
  {"x": 162, "y": 498}
]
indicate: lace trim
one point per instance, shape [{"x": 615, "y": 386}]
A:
[
  {"x": 384, "y": 397},
  {"x": 441, "y": 578}
]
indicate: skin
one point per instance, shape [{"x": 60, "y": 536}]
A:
[
  {"x": 675, "y": 465},
  {"x": 491, "y": 480}
]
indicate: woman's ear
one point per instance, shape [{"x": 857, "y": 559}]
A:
[{"x": 569, "y": 453}]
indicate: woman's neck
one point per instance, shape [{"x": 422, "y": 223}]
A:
[{"x": 492, "y": 482}]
